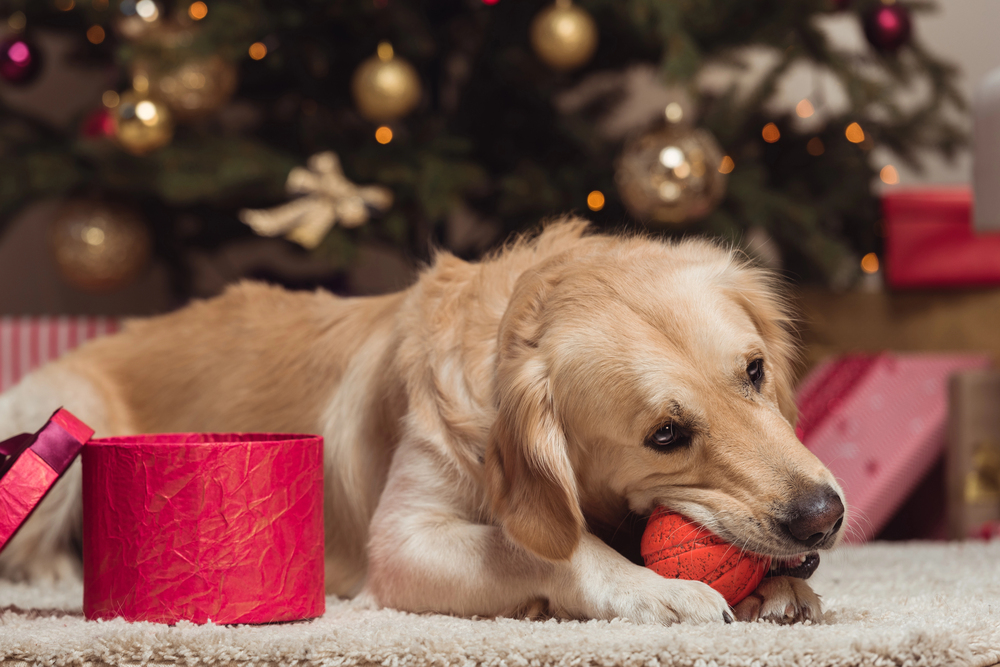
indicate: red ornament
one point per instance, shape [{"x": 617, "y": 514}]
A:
[
  {"x": 99, "y": 124},
  {"x": 887, "y": 27},
  {"x": 20, "y": 61},
  {"x": 675, "y": 548}
]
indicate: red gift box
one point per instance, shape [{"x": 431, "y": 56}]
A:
[
  {"x": 222, "y": 528},
  {"x": 930, "y": 241},
  {"x": 878, "y": 422},
  {"x": 34, "y": 461},
  {"x": 201, "y": 527}
]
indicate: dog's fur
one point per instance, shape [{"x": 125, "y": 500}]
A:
[{"x": 484, "y": 425}]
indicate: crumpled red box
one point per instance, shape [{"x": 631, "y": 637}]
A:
[
  {"x": 222, "y": 528},
  {"x": 33, "y": 463}
]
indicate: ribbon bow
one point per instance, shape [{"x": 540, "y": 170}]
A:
[{"x": 328, "y": 198}]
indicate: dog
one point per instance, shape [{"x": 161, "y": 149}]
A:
[{"x": 490, "y": 429}]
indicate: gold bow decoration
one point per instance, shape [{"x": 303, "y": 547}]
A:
[{"x": 327, "y": 198}]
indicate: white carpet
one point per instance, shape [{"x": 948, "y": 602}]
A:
[{"x": 886, "y": 604}]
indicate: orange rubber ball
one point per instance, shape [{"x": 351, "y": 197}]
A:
[{"x": 676, "y": 548}]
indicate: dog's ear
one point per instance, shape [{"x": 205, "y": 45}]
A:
[
  {"x": 762, "y": 294},
  {"x": 529, "y": 475}
]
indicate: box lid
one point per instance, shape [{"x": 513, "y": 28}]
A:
[{"x": 33, "y": 463}]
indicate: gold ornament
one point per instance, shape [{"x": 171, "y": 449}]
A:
[
  {"x": 98, "y": 246},
  {"x": 385, "y": 87},
  {"x": 142, "y": 124},
  {"x": 328, "y": 198},
  {"x": 671, "y": 175},
  {"x": 139, "y": 19},
  {"x": 196, "y": 88},
  {"x": 563, "y": 35}
]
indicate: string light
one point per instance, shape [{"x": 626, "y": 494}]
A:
[
  {"x": 771, "y": 133},
  {"x": 854, "y": 133},
  {"x": 889, "y": 175},
  {"x": 258, "y": 50},
  {"x": 815, "y": 147},
  {"x": 804, "y": 109},
  {"x": 110, "y": 99},
  {"x": 595, "y": 200},
  {"x": 383, "y": 135},
  {"x": 198, "y": 10},
  {"x": 727, "y": 165},
  {"x": 869, "y": 263},
  {"x": 95, "y": 35}
]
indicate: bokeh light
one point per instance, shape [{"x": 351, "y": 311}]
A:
[
  {"x": 804, "y": 109},
  {"x": 198, "y": 10},
  {"x": 383, "y": 135},
  {"x": 258, "y": 50},
  {"x": 595, "y": 200},
  {"x": 95, "y": 35},
  {"x": 869, "y": 263},
  {"x": 815, "y": 147},
  {"x": 727, "y": 165},
  {"x": 889, "y": 175},
  {"x": 854, "y": 133},
  {"x": 771, "y": 133}
]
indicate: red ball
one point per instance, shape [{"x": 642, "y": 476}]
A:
[{"x": 675, "y": 548}]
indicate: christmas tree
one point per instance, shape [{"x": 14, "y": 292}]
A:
[{"x": 465, "y": 121}]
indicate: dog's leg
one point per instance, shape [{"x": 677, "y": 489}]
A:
[
  {"x": 780, "y": 600},
  {"x": 424, "y": 555},
  {"x": 44, "y": 546}
]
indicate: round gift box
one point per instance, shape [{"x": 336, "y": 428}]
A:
[{"x": 203, "y": 527}]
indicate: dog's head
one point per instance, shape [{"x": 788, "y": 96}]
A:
[{"x": 633, "y": 373}]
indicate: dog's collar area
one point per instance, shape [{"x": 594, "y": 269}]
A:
[{"x": 801, "y": 566}]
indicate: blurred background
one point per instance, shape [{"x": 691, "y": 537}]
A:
[{"x": 154, "y": 151}]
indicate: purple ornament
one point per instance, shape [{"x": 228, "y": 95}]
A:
[
  {"x": 20, "y": 61},
  {"x": 887, "y": 27}
]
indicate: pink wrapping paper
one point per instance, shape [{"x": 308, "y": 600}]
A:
[
  {"x": 222, "y": 528},
  {"x": 33, "y": 462}
]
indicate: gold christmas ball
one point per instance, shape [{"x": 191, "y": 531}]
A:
[
  {"x": 194, "y": 89},
  {"x": 98, "y": 247},
  {"x": 142, "y": 124},
  {"x": 385, "y": 87},
  {"x": 671, "y": 175},
  {"x": 138, "y": 19},
  {"x": 563, "y": 35}
]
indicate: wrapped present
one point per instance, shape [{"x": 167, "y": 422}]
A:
[
  {"x": 31, "y": 464},
  {"x": 930, "y": 241},
  {"x": 973, "y": 459},
  {"x": 222, "y": 528},
  {"x": 878, "y": 422}
]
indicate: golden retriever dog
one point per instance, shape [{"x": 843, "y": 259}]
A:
[{"x": 486, "y": 427}]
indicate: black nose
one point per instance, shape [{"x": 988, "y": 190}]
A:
[{"x": 815, "y": 516}]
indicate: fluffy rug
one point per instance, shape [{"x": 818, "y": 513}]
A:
[{"x": 885, "y": 604}]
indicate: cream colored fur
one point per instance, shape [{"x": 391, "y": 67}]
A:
[{"x": 483, "y": 426}]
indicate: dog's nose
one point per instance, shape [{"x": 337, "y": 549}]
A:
[{"x": 816, "y": 516}]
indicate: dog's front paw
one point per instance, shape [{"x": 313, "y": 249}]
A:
[
  {"x": 780, "y": 600},
  {"x": 650, "y": 598}
]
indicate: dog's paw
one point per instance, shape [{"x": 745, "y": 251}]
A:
[
  {"x": 780, "y": 600},
  {"x": 654, "y": 599}
]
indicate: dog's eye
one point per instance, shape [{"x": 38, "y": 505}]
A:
[
  {"x": 755, "y": 371},
  {"x": 667, "y": 437}
]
